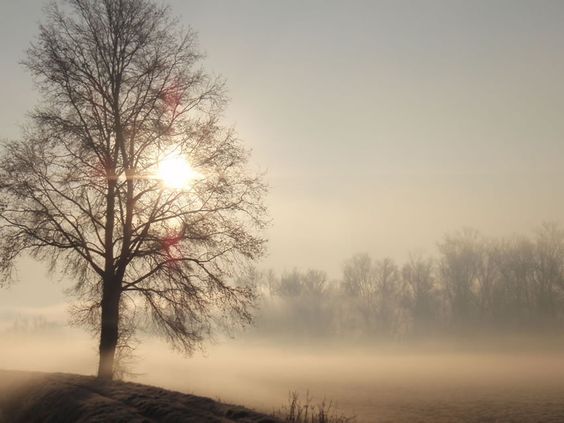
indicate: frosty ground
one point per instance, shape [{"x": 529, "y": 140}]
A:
[{"x": 28, "y": 397}]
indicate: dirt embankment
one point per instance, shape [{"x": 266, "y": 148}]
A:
[{"x": 28, "y": 397}]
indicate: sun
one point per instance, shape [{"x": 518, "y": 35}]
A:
[{"x": 175, "y": 171}]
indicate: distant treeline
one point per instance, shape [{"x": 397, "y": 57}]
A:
[{"x": 474, "y": 284}]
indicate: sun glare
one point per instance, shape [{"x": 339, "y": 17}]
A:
[{"x": 175, "y": 172}]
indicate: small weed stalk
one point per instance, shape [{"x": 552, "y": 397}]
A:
[{"x": 306, "y": 411}]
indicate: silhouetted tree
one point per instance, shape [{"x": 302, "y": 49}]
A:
[
  {"x": 376, "y": 294},
  {"x": 122, "y": 90},
  {"x": 360, "y": 293},
  {"x": 389, "y": 294},
  {"x": 483, "y": 284},
  {"x": 423, "y": 299},
  {"x": 548, "y": 270},
  {"x": 459, "y": 265},
  {"x": 306, "y": 298},
  {"x": 358, "y": 276},
  {"x": 487, "y": 277},
  {"x": 516, "y": 266}
]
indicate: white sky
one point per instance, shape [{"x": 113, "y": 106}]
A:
[{"x": 382, "y": 124}]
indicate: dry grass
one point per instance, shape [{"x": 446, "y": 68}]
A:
[{"x": 306, "y": 411}]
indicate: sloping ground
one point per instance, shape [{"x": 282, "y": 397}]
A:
[{"x": 27, "y": 397}]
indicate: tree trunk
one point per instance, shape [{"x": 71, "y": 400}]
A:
[{"x": 109, "y": 327}]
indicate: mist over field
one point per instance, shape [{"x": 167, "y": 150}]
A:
[
  {"x": 473, "y": 332},
  {"x": 513, "y": 378},
  {"x": 314, "y": 335},
  {"x": 357, "y": 202}
]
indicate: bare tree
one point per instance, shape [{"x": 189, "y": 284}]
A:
[
  {"x": 389, "y": 291},
  {"x": 549, "y": 269},
  {"x": 358, "y": 276},
  {"x": 360, "y": 288},
  {"x": 459, "y": 266},
  {"x": 375, "y": 288},
  {"x": 516, "y": 264},
  {"x": 419, "y": 279},
  {"x": 124, "y": 104}
]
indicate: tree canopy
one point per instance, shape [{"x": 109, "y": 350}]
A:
[{"x": 97, "y": 186}]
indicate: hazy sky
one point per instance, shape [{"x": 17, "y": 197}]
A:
[{"x": 382, "y": 124}]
